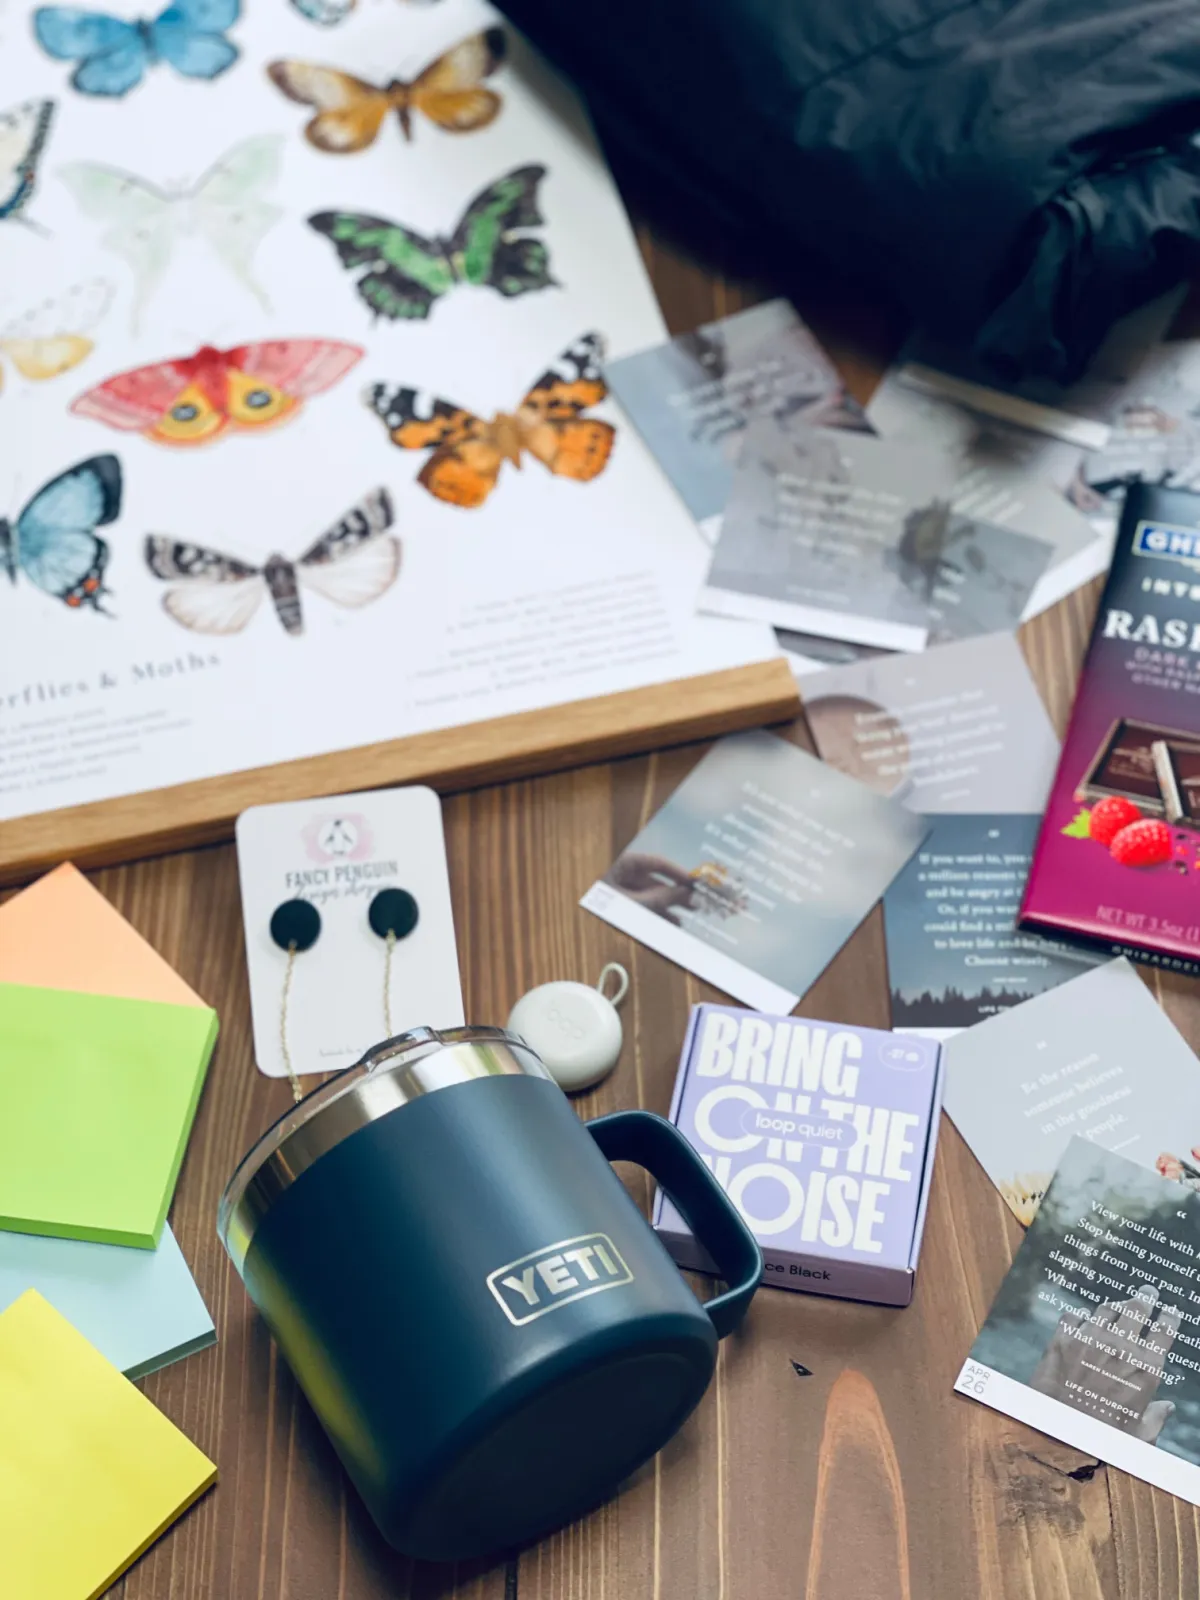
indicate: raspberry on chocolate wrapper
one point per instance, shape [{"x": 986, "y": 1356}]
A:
[
  {"x": 1109, "y": 816},
  {"x": 1142, "y": 844}
]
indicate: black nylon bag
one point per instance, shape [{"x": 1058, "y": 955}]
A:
[{"x": 1015, "y": 174}]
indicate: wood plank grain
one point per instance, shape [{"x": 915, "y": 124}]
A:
[
  {"x": 132, "y": 827},
  {"x": 858, "y": 1483}
]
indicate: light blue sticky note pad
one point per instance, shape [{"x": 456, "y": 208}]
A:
[{"x": 140, "y": 1308}]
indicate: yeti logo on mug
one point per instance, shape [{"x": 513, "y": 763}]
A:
[{"x": 545, "y": 1279}]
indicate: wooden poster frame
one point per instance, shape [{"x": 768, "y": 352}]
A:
[{"x": 185, "y": 815}]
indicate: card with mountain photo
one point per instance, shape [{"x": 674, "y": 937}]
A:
[
  {"x": 955, "y": 954},
  {"x": 1096, "y": 1056},
  {"x": 857, "y": 538},
  {"x": 757, "y": 869}
]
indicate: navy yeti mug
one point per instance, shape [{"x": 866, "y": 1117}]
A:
[{"x": 483, "y": 1321}]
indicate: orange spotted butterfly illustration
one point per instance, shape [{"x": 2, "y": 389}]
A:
[
  {"x": 193, "y": 400},
  {"x": 469, "y": 452},
  {"x": 350, "y": 111}
]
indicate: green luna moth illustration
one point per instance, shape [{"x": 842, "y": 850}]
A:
[
  {"x": 407, "y": 273},
  {"x": 144, "y": 222}
]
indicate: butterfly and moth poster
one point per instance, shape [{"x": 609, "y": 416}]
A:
[{"x": 305, "y": 440}]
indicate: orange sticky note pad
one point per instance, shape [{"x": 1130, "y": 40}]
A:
[
  {"x": 90, "y": 1472},
  {"x": 61, "y": 933}
]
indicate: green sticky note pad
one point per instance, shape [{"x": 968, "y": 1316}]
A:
[{"x": 97, "y": 1097}]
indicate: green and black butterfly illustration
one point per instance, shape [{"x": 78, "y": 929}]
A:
[{"x": 407, "y": 273}]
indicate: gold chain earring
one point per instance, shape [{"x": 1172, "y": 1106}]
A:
[
  {"x": 295, "y": 926},
  {"x": 392, "y": 914}
]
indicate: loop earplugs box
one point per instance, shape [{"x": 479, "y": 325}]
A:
[{"x": 822, "y": 1135}]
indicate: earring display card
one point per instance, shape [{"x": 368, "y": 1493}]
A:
[{"x": 339, "y": 853}]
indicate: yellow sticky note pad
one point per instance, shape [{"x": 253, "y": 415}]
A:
[{"x": 90, "y": 1472}]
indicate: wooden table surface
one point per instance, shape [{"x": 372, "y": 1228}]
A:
[{"x": 863, "y": 1478}]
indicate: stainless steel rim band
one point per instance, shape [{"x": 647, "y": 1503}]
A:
[{"x": 389, "y": 1076}]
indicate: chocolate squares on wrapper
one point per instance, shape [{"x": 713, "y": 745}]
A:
[
  {"x": 1124, "y": 767},
  {"x": 1177, "y": 768}
]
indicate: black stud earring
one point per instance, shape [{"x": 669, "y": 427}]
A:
[
  {"x": 392, "y": 914},
  {"x": 295, "y": 926}
]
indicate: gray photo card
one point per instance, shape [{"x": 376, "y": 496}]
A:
[
  {"x": 1008, "y": 475},
  {"x": 975, "y": 576},
  {"x": 758, "y": 869},
  {"x": 810, "y": 652},
  {"x": 832, "y": 533},
  {"x": 955, "y": 954},
  {"x": 860, "y": 539},
  {"x": 1132, "y": 415},
  {"x": 1009, "y": 497},
  {"x": 1094, "y": 1337},
  {"x": 960, "y": 728},
  {"x": 692, "y": 399},
  {"x": 1096, "y": 1057}
]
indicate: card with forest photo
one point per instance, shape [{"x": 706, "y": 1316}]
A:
[{"x": 955, "y": 954}]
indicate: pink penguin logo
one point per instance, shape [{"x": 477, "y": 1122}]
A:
[{"x": 337, "y": 836}]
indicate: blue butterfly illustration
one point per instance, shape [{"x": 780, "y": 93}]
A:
[
  {"x": 24, "y": 130},
  {"x": 113, "y": 55},
  {"x": 54, "y": 540}
]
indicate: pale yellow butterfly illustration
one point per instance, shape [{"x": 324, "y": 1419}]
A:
[{"x": 53, "y": 337}]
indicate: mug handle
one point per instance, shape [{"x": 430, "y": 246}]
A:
[{"x": 652, "y": 1142}]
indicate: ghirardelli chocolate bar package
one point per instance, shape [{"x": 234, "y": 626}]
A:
[
  {"x": 822, "y": 1135},
  {"x": 1117, "y": 863}
]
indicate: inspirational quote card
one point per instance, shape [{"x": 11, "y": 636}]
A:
[
  {"x": 693, "y": 398},
  {"x": 857, "y": 537},
  {"x": 758, "y": 869},
  {"x": 955, "y": 954},
  {"x": 958, "y": 729},
  {"x": 1052, "y": 461},
  {"x": 1094, "y": 1337},
  {"x": 814, "y": 530},
  {"x": 1096, "y": 1057}
]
